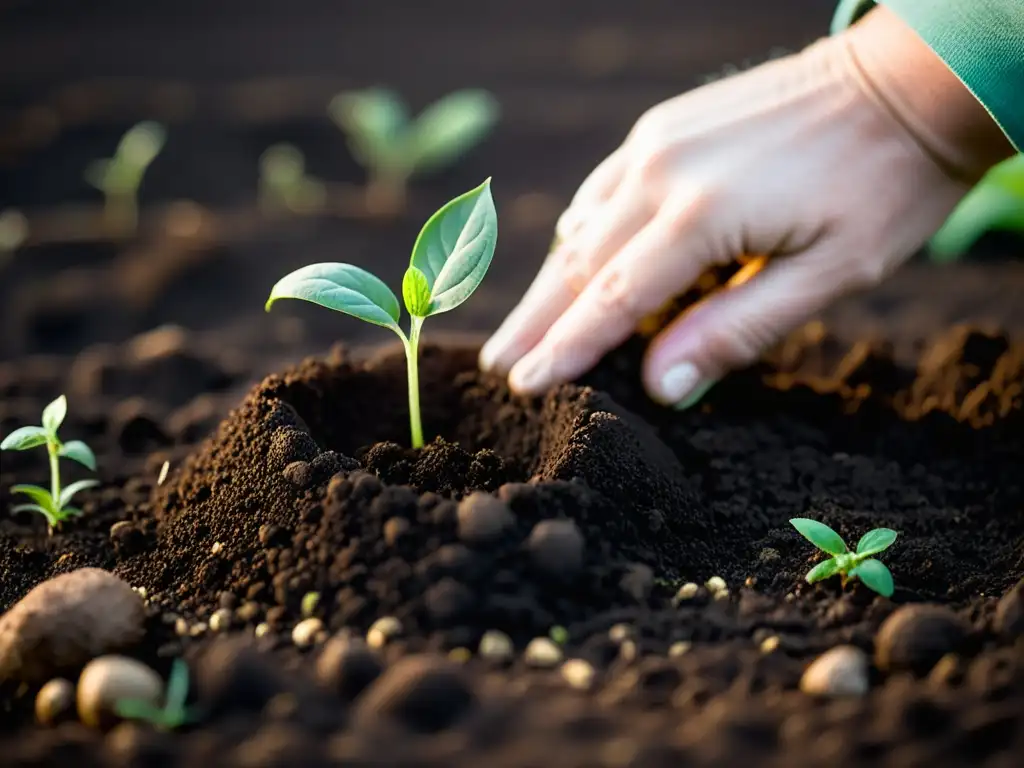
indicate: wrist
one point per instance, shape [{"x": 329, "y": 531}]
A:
[{"x": 898, "y": 70}]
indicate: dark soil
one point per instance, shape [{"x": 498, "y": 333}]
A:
[{"x": 585, "y": 509}]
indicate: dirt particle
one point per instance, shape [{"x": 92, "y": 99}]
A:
[
  {"x": 382, "y": 630},
  {"x": 305, "y": 632},
  {"x": 1009, "y": 617},
  {"x": 63, "y": 623},
  {"x": 915, "y": 637},
  {"x": 556, "y": 547},
  {"x": 840, "y": 671},
  {"x": 542, "y": 652},
  {"x": 109, "y": 679},
  {"x": 496, "y": 647},
  {"x": 55, "y": 702},
  {"x": 425, "y": 693},
  {"x": 448, "y": 601},
  {"x": 638, "y": 582},
  {"x": 579, "y": 674},
  {"x": 346, "y": 666}
]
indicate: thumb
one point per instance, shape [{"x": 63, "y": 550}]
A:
[{"x": 731, "y": 329}]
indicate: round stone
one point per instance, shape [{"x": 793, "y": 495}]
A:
[
  {"x": 840, "y": 671},
  {"x": 109, "y": 679}
]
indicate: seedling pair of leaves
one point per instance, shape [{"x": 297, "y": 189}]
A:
[
  {"x": 858, "y": 564},
  {"x": 995, "y": 203},
  {"x": 449, "y": 260},
  {"x": 120, "y": 176},
  {"x": 173, "y": 714},
  {"x": 53, "y": 504},
  {"x": 393, "y": 147}
]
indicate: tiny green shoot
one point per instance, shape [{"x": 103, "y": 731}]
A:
[
  {"x": 174, "y": 712},
  {"x": 119, "y": 177},
  {"x": 53, "y": 504},
  {"x": 858, "y": 564},
  {"x": 448, "y": 263},
  {"x": 559, "y": 635},
  {"x": 283, "y": 183},
  {"x": 393, "y": 147},
  {"x": 995, "y": 203}
]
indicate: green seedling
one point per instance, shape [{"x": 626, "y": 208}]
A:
[
  {"x": 996, "y": 203},
  {"x": 393, "y": 147},
  {"x": 449, "y": 261},
  {"x": 849, "y": 565},
  {"x": 120, "y": 176},
  {"x": 52, "y": 504},
  {"x": 173, "y": 714},
  {"x": 283, "y": 183}
]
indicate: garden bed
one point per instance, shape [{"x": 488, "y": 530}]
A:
[{"x": 255, "y": 473}]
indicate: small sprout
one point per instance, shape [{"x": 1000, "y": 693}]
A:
[
  {"x": 173, "y": 714},
  {"x": 52, "y": 504},
  {"x": 393, "y": 148},
  {"x": 13, "y": 230},
  {"x": 559, "y": 634},
  {"x": 120, "y": 176},
  {"x": 995, "y": 203},
  {"x": 449, "y": 261},
  {"x": 310, "y": 601},
  {"x": 284, "y": 185},
  {"x": 849, "y": 565}
]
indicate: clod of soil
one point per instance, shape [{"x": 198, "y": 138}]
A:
[
  {"x": 64, "y": 622},
  {"x": 1009, "y": 618},
  {"x": 915, "y": 637}
]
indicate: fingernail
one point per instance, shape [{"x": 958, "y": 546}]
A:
[
  {"x": 678, "y": 382},
  {"x": 530, "y": 374},
  {"x": 695, "y": 396}
]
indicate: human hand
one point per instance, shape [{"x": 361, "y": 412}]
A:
[{"x": 837, "y": 162}]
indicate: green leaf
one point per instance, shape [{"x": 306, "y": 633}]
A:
[
  {"x": 97, "y": 174},
  {"x": 141, "y": 144},
  {"x": 449, "y": 127},
  {"x": 455, "y": 247},
  {"x": 374, "y": 120},
  {"x": 344, "y": 288},
  {"x": 24, "y": 438},
  {"x": 137, "y": 709},
  {"x": 54, "y": 413},
  {"x": 820, "y": 535},
  {"x": 39, "y": 495},
  {"x": 985, "y": 208},
  {"x": 416, "y": 292},
  {"x": 822, "y": 571},
  {"x": 67, "y": 512},
  {"x": 875, "y": 541},
  {"x": 68, "y": 493},
  {"x": 177, "y": 686},
  {"x": 78, "y": 451},
  {"x": 51, "y": 519},
  {"x": 875, "y": 576}
]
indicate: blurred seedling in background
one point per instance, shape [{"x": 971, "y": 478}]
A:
[
  {"x": 119, "y": 177},
  {"x": 394, "y": 148},
  {"x": 849, "y": 565},
  {"x": 995, "y": 204},
  {"x": 52, "y": 504},
  {"x": 449, "y": 261},
  {"x": 173, "y": 714},
  {"x": 13, "y": 232},
  {"x": 284, "y": 185}
]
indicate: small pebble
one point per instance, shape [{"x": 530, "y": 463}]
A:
[
  {"x": 715, "y": 584},
  {"x": 579, "y": 674},
  {"x": 221, "y": 620},
  {"x": 496, "y": 646},
  {"x": 198, "y": 629},
  {"x": 914, "y": 637},
  {"x": 383, "y": 630},
  {"x": 841, "y": 671},
  {"x": 678, "y": 648},
  {"x": 770, "y": 644},
  {"x": 557, "y": 548},
  {"x": 460, "y": 655},
  {"x": 216, "y": 548},
  {"x": 542, "y": 652},
  {"x": 262, "y": 629},
  {"x": 305, "y": 632},
  {"x": 55, "y": 702},
  {"x": 620, "y": 632},
  {"x": 247, "y": 612},
  {"x": 483, "y": 519},
  {"x": 110, "y": 679},
  {"x": 347, "y": 666},
  {"x": 688, "y": 591}
]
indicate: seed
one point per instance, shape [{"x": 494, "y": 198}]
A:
[
  {"x": 216, "y": 548},
  {"x": 496, "y": 646},
  {"x": 716, "y": 584},
  {"x": 688, "y": 591},
  {"x": 305, "y": 632},
  {"x": 678, "y": 648},
  {"x": 770, "y": 644},
  {"x": 220, "y": 620},
  {"x": 542, "y": 652},
  {"x": 460, "y": 655},
  {"x": 309, "y": 603},
  {"x": 620, "y": 632},
  {"x": 579, "y": 674},
  {"x": 262, "y": 629},
  {"x": 383, "y": 630}
]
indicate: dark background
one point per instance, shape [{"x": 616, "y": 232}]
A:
[{"x": 230, "y": 78}]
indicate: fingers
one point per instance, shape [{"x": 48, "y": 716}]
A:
[
  {"x": 564, "y": 275},
  {"x": 732, "y": 329},
  {"x": 595, "y": 190},
  {"x": 648, "y": 271}
]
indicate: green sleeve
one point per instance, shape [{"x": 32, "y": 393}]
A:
[{"x": 982, "y": 42}]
